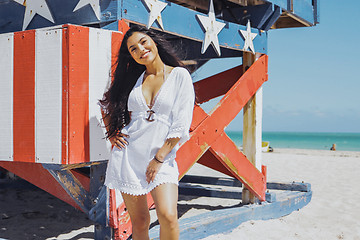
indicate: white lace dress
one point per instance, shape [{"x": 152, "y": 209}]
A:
[{"x": 172, "y": 115}]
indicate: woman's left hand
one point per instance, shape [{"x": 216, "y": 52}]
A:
[{"x": 152, "y": 169}]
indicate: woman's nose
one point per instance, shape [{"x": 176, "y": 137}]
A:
[{"x": 141, "y": 47}]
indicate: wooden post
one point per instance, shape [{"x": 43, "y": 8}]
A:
[{"x": 252, "y": 128}]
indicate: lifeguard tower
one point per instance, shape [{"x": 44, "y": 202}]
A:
[{"x": 55, "y": 63}]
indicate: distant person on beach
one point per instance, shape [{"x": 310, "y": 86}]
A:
[
  {"x": 333, "y": 147},
  {"x": 147, "y": 112}
]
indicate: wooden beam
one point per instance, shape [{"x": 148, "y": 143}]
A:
[
  {"x": 289, "y": 20},
  {"x": 239, "y": 166},
  {"x": 252, "y": 128},
  {"x": 225, "y": 220},
  {"x": 216, "y": 85},
  {"x": 211, "y": 127},
  {"x": 193, "y": 4},
  {"x": 36, "y": 174}
]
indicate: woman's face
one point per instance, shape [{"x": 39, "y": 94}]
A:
[{"x": 142, "y": 48}]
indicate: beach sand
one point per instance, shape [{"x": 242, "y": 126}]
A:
[{"x": 27, "y": 212}]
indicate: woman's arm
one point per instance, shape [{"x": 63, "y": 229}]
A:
[
  {"x": 118, "y": 139},
  {"x": 169, "y": 144},
  {"x": 155, "y": 164}
]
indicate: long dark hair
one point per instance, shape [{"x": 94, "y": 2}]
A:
[{"x": 125, "y": 76}]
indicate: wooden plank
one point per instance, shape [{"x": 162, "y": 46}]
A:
[
  {"x": 99, "y": 80},
  {"x": 216, "y": 85},
  {"x": 304, "y": 10},
  {"x": 225, "y": 220},
  {"x": 281, "y": 3},
  {"x": 24, "y": 96},
  {"x": 297, "y": 13},
  {"x": 240, "y": 167},
  {"x": 210, "y": 160},
  {"x": 48, "y": 93},
  {"x": 12, "y": 14},
  {"x": 229, "y": 182},
  {"x": 229, "y": 37},
  {"x": 36, "y": 174},
  {"x": 6, "y": 97},
  {"x": 294, "y": 186},
  {"x": 193, "y": 4},
  {"x": 233, "y": 182},
  {"x": 73, "y": 187},
  {"x": 229, "y": 106},
  {"x": 78, "y": 94},
  {"x": 252, "y": 128},
  {"x": 192, "y": 190},
  {"x": 286, "y": 20}
]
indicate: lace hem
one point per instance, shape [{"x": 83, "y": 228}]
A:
[
  {"x": 138, "y": 190},
  {"x": 179, "y": 132}
]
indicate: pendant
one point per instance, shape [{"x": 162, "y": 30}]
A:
[{"x": 151, "y": 112}]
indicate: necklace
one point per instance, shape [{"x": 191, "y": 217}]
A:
[{"x": 151, "y": 111}]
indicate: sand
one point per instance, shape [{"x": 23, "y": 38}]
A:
[{"x": 27, "y": 212}]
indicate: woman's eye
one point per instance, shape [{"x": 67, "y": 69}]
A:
[{"x": 143, "y": 42}]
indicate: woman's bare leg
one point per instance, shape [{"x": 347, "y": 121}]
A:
[
  {"x": 139, "y": 215},
  {"x": 165, "y": 197}
]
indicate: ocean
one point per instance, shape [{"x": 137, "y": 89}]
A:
[{"x": 304, "y": 140}]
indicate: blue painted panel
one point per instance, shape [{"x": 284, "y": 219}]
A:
[
  {"x": 12, "y": 14},
  {"x": 317, "y": 10},
  {"x": 220, "y": 221},
  {"x": 301, "y": 8},
  {"x": 273, "y": 18},
  {"x": 304, "y": 9},
  {"x": 281, "y": 3},
  {"x": 183, "y": 22},
  {"x": 114, "y": 26},
  {"x": 72, "y": 186}
]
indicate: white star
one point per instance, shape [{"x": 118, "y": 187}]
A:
[
  {"x": 33, "y": 7},
  {"x": 155, "y": 8},
  {"x": 95, "y": 5},
  {"x": 212, "y": 29},
  {"x": 248, "y": 37}
]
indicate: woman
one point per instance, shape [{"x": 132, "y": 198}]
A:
[{"x": 147, "y": 112}]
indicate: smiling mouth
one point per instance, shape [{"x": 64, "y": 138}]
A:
[{"x": 145, "y": 54}]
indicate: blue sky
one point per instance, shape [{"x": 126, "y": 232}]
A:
[{"x": 314, "y": 79}]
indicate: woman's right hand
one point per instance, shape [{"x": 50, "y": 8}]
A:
[{"x": 119, "y": 140}]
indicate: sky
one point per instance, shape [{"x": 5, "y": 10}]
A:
[{"x": 314, "y": 79}]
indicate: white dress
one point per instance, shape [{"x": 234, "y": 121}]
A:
[{"x": 172, "y": 115}]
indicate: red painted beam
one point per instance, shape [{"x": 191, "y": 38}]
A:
[
  {"x": 40, "y": 177},
  {"x": 217, "y": 85},
  {"x": 78, "y": 95},
  {"x": 240, "y": 167},
  {"x": 211, "y": 127},
  {"x": 210, "y": 160},
  {"x": 24, "y": 96},
  {"x": 199, "y": 115}
]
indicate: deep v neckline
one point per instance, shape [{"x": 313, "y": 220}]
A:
[{"x": 151, "y": 107}]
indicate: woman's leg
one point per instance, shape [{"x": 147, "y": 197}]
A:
[
  {"x": 165, "y": 197},
  {"x": 139, "y": 215}
]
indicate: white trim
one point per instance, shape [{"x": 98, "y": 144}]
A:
[
  {"x": 48, "y": 95},
  {"x": 99, "y": 79},
  {"x": 6, "y": 96}
]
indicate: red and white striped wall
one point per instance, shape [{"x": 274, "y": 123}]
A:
[{"x": 50, "y": 82}]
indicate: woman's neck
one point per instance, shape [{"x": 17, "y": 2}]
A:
[{"x": 156, "y": 67}]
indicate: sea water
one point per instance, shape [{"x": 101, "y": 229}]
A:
[{"x": 303, "y": 140}]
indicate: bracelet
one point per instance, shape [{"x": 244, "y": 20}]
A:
[{"x": 158, "y": 160}]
